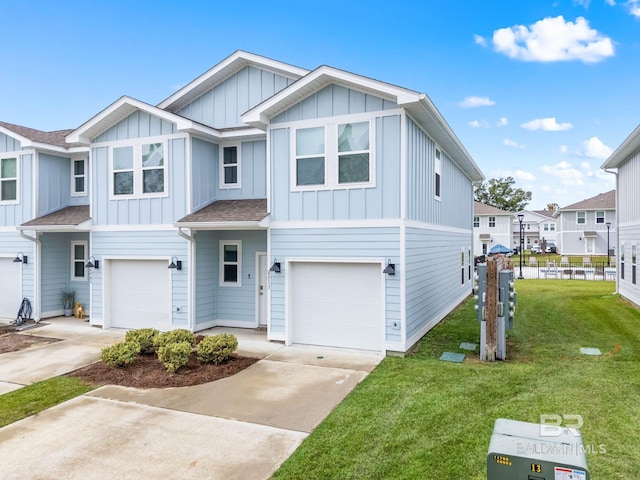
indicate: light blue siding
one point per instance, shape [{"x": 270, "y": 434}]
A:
[
  {"x": 205, "y": 172},
  {"x": 253, "y": 167},
  {"x": 9, "y": 144},
  {"x": 10, "y": 244},
  {"x": 216, "y": 303},
  {"x": 54, "y": 183},
  {"x": 455, "y": 206},
  {"x": 12, "y": 214},
  {"x": 346, "y": 243},
  {"x": 141, "y": 211},
  {"x": 222, "y": 106},
  {"x": 137, "y": 125},
  {"x": 141, "y": 245},
  {"x": 380, "y": 201},
  {"x": 434, "y": 276},
  {"x": 333, "y": 100}
]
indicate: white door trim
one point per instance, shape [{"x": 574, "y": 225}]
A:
[{"x": 261, "y": 294}]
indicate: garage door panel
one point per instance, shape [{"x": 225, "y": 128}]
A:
[
  {"x": 10, "y": 288},
  {"x": 335, "y": 304}
]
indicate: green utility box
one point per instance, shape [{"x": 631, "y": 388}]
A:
[{"x": 528, "y": 451}]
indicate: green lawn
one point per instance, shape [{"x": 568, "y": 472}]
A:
[{"x": 418, "y": 417}]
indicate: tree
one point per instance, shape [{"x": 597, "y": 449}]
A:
[
  {"x": 552, "y": 207},
  {"x": 501, "y": 193}
]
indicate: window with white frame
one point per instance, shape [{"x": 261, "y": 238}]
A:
[
  {"x": 231, "y": 263},
  {"x": 78, "y": 177},
  {"x": 552, "y": 227},
  {"x": 633, "y": 263},
  {"x": 546, "y": 227},
  {"x": 438, "y": 174},
  {"x": 230, "y": 167},
  {"x": 335, "y": 155},
  {"x": 476, "y": 222},
  {"x": 78, "y": 261},
  {"x": 600, "y": 217},
  {"x": 492, "y": 221},
  {"x": 138, "y": 170},
  {"x": 9, "y": 179},
  {"x": 582, "y": 218},
  {"x": 622, "y": 261}
]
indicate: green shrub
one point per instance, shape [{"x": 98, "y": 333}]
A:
[
  {"x": 174, "y": 336},
  {"x": 217, "y": 348},
  {"x": 174, "y": 355},
  {"x": 120, "y": 354},
  {"x": 144, "y": 336}
]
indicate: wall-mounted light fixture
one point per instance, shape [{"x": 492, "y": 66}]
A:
[
  {"x": 93, "y": 263},
  {"x": 390, "y": 269},
  {"x": 276, "y": 266},
  {"x": 175, "y": 263},
  {"x": 20, "y": 258}
]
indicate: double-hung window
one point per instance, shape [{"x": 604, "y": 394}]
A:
[
  {"x": 231, "y": 263},
  {"x": 438, "y": 175},
  {"x": 546, "y": 227},
  {"x": 78, "y": 260},
  {"x": 492, "y": 222},
  {"x": 310, "y": 156},
  {"x": 622, "y": 261},
  {"x": 78, "y": 177},
  {"x": 9, "y": 179},
  {"x": 476, "y": 222},
  {"x": 582, "y": 218},
  {"x": 353, "y": 152},
  {"x": 230, "y": 167},
  {"x": 633, "y": 263},
  {"x": 139, "y": 170},
  {"x": 600, "y": 217}
]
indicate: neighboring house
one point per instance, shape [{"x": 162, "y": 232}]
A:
[
  {"x": 626, "y": 160},
  {"x": 538, "y": 226},
  {"x": 491, "y": 226},
  {"x": 265, "y": 194},
  {"x": 582, "y": 227}
]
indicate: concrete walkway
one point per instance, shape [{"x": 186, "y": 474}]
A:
[{"x": 241, "y": 427}]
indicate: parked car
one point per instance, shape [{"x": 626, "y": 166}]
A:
[
  {"x": 536, "y": 250},
  {"x": 551, "y": 248}
]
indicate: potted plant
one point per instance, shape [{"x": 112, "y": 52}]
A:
[{"x": 67, "y": 297}]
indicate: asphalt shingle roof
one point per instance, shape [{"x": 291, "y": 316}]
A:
[
  {"x": 604, "y": 200},
  {"x": 51, "y": 138},
  {"x": 252, "y": 210},
  {"x": 484, "y": 209},
  {"x": 67, "y": 216}
]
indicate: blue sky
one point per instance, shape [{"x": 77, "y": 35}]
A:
[{"x": 539, "y": 90}]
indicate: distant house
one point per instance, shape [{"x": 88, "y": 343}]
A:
[
  {"x": 491, "y": 226},
  {"x": 538, "y": 226},
  {"x": 586, "y": 227},
  {"x": 626, "y": 159}
]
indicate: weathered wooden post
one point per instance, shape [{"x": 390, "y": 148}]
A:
[{"x": 494, "y": 308}]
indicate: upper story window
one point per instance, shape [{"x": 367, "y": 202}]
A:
[
  {"x": 582, "y": 218},
  {"x": 528, "y": 226},
  {"x": 600, "y": 217},
  {"x": 546, "y": 227},
  {"x": 78, "y": 260},
  {"x": 138, "y": 170},
  {"x": 9, "y": 179},
  {"x": 231, "y": 263},
  {"x": 552, "y": 227},
  {"x": 476, "y": 222},
  {"x": 331, "y": 156},
  {"x": 438, "y": 175},
  {"x": 492, "y": 221},
  {"x": 230, "y": 167},
  {"x": 78, "y": 177}
]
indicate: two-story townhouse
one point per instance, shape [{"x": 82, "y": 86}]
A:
[
  {"x": 588, "y": 226},
  {"x": 537, "y": 226},
  {"x": 333, "y": 208},
  {"x": 491, "y": 226},
  {"x": 44, "y": 213},
  {"x": 625, "y": 162}
]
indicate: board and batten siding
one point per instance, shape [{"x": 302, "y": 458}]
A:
[
  {"x": 627, "y": 195},
  {"x": 9, "y": 144},
  {"x": 455, "y": 206},
  {"x": 144, "y": 210},
  {"x": 54, "y": 183},
  {"x": 339, "y": 244},
  {"x": 205, "y": 172},
  {"x": 353, "y": 203},
  {"x": 434, "y": 276},
  {"x": 137, "y": 125},
  {"x": 141, "y": 245},
  {"x": 20, "y": 211}
]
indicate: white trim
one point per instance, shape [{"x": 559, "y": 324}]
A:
[
  {"x": 257, "y": 289},
  {"x": 375, "y": 223},
  {"x": 238, "y": 165},
  {"x": 133, "y": 228},
  {"x": 85, "y": 244},
  {"x": 18, "y": 159},
  {"x": 221, "y": 261}
]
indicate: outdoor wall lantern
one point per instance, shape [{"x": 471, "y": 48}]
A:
[
  {"x": 390, "y": 269},
  {"x": 276, "y": 266},
  {"x": 175, "y": 263},
  {"x": 20, "y": 258},
  {"x": 93, "y": 263}
]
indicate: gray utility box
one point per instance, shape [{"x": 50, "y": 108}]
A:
[{"x": 528, "y": 451}]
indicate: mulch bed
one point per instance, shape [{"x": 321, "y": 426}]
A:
[{"x": 13, "y": 342}]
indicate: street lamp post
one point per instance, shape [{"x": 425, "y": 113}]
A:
[
  {"x": 608, "y": 224},
  {"x": 520, "y": 218}
]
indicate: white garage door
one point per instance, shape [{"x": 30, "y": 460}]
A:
[
  {"x": 337, "y": 305},
  {"x": 10, "y": 290},
  {"x": 139, "y": 294}
]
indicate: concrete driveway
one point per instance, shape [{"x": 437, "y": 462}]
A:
[{"x": 241, "y": 427}]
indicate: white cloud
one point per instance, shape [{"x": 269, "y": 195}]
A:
[
  {"x": 479, "y": 124},
  {"x": 547, "y": 124},
  {"x": 553, "y": 40},
  {"x": 611, "y": 3},
  {"x": 502, "y": 122},
  {"x": 472, "y": 102},
  {"x": 480, "y": 40},
  {"x": 634, "y": 8},
  {"x": 516, "y": 174},
  {"x": 582, "y": 3},
  {"x": 512, "y": 143},
  {"x": 565, "y": 173},
  {"x": 594, "y": 148},
  {"x": 585, "y": 166}
]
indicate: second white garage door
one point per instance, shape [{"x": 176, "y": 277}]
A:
[
  {"x": 139, "y": 294},
  {"x": 9, "y": 288},
  {"x": 337, "y": 304}
]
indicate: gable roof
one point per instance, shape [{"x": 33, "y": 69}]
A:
[
  {"x": 544, "y": 213},
  {"x": 227, "y": 67},
  {"x": 624, "y": 151},
  {"x": 417, "y": 104},
  {"x": 32, "y": 138},
  {"x": 65, "y": 219},
  {"x": 604, "y": 201},
  {"x": 227, "y": 214},
  {"x": 484, "y": 209}
]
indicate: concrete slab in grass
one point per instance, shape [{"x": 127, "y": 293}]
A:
[
  {"x": 468, "y": 346},
  {"x": 590, "y": 351},
  {"x": 452, "y": 357}
]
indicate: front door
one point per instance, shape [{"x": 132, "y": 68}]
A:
[
  {"x": 262, "y": 289},
  {"x": 590, "y": 244}
]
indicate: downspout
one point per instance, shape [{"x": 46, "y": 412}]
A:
[
  {"x": 617, "y": 233},
  {"x": 191, "y": 279},
  {"x": 36, "y": 274}
]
